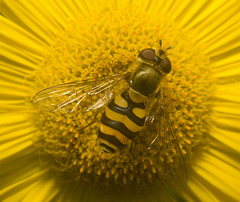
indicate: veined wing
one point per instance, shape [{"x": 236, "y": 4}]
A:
[
  {"x": 170, "y": 161},
  {"x": 90, "y": 94}
]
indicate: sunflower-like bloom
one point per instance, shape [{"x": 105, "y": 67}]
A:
[{"x": 45, "y": 156}]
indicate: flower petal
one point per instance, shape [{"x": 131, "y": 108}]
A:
[{"x": 16, "y": 134}]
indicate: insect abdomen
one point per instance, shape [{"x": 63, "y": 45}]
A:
[{"x": 123, "y": 118}]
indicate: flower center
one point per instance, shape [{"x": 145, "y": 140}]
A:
[{"x": 107, "y": 44}]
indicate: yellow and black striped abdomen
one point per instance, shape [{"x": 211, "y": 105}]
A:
[{"x": 121, "y": 121}]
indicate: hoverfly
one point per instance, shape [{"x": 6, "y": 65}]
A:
[{"x": 124, "y": 115}]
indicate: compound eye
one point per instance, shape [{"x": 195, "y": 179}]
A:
[
  {"x": 147, "y": 54},
  {"x": 166, "y": 65}
]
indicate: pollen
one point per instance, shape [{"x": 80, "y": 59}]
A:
[{"x": 105, "y": 44}]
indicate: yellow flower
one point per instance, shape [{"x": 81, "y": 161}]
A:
[{"x": 43, "y": 155}]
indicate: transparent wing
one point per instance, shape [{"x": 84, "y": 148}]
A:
[
  {"x": 170, "y": 161},
  {"x": 89, "y": 94}
]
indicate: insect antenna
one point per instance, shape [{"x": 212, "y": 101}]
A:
[
  {"x": 169, "y": 47},
  {"x": 160, "y": 44}
]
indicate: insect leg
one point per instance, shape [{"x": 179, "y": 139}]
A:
[
  {"x": 93, "y": 121},
  {"x": 132, "y": 145},
  {"x": 150, "y": 145},
  {"x": 82, "y": 129}
]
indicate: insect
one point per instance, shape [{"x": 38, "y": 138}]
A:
[{"x": 124, "y": 115}]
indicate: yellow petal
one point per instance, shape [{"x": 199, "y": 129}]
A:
[
  {"x": 16, "y": 36},
  {"x": 22, "y": 187},
  {"x": 220, "y": 175}
]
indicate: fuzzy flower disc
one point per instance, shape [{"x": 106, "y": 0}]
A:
[{"x": 108, "y": 43}]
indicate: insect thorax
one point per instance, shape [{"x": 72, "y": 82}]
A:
[{"x": 146, "y": 79}]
